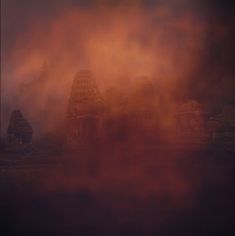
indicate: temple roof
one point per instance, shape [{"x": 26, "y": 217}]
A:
[
  {"x": 84, "y": 98},
  {"x": 191, "y": 106},
  {"x": 18, "y": 124}
]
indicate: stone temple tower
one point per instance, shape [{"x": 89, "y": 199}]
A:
[
  {"x": 19, "y": 131},
  {"x": 84, "y": 108}
]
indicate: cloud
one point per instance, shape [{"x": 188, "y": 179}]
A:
[{"x": 113, "y": 40}]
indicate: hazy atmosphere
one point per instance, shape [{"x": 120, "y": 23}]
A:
[
  {"x": 117, "y": 117},
  {"x": 184, "y": 47}
]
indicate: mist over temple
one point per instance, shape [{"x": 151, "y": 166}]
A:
[
  {"x": 122, "y": 147},
  {"x": 142, "y": 114},
  {"x": 117, "y": 117},
  {"x": 174, "y": 46},
  {"x": 84, "y": 110}
]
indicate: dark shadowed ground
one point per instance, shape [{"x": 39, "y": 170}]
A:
[{"x": 152, "y": 192}]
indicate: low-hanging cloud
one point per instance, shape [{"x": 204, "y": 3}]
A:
[{"x": 128, "y": 40}]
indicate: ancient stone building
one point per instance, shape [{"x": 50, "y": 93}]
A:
[
  {"x": 84, "y": 108},
  {"x": 132, "y": 115},
  {"x": 228, "y": 116},
  {"x": 115, "y": 125},
  {"x": 143, "y": 105},
  {"x": 192, "y": 123},
  {"x": 227, "y": 119},
  {"x": 19, "y": 131},
  {"x": 191, "y": 117}
]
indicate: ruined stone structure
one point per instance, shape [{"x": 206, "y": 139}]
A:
[
  {"x": 131, "y": 116},
  {"x": 191, "y": 117},
  {"x": 192, "y": 121},
  {"x": 115, "y": 124},
  {"x": 83, "y": 115},
  {"x": 142, "y": 109},
  {"x": 19, "y": 131},
  {"x": 227, "y": 121}
]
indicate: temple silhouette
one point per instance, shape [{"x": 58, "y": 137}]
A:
[
  {"x": 84, "y": 111},
  {"x": 19, "y": 131},
  {"x": 93, "y": 118},
  {"x": 132, "y": 117}
]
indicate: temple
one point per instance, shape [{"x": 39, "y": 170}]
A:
[
  {"x": 19, "y": 131},
  {"x": 191, "y": 118},
  {"x": 192, "y": 123},
  {"x": 137, "y": 116},
  {"x": 83, "y": 114}
]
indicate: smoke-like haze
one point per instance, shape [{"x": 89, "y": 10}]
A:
[
  {"x": 183, "y": 49},
  {"x": 49, "y": 43}
]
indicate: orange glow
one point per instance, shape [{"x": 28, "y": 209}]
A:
[{"x": 112, "y": 42}]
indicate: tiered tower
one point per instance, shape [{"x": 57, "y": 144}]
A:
[
  {"x": 83, "y": 115},
  {"x": 19, "y": 130},
  {"x": 192, "y": 123}
]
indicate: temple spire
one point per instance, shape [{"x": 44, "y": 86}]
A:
[{"x": 83, "y": 109}]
